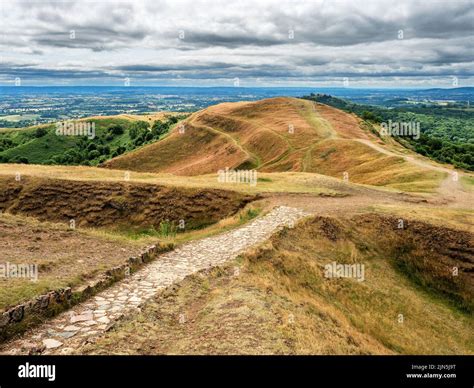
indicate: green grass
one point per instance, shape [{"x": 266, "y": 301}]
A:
[
  {"x": 170, "y": 232},
  {"x": 166, "y": 229},
  {"x": 17, "y": 290},
  {"x": 71, "y": 150},
  {"x": 40, "y": 150},
  {"x": 249, "y": 215},
  {"x": 467, "y": 182}
]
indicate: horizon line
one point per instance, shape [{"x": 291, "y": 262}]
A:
[{"x": 239, "y": 87}]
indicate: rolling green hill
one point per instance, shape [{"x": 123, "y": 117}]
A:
[{"x": 113, "y": 136}]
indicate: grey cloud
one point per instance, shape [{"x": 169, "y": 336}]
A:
[
  {"x": 207, "y": 39},
  {"x": 244, "y": 39}
]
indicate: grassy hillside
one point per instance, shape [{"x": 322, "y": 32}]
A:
[
  {"x": 366, "y": 165},
  {"x": 273, "y": 135},
  {"x": 447, "y": 132},
  {"x": 277, "y": 135},
  {"x": 270, "y": 135},
  {"x": 280, "y": 302},
  {"x": 113, "y": 136}
]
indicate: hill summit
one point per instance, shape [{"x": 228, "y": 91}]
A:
[{"x": 276, "y": 135}]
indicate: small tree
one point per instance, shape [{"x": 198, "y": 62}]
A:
[
  {"x": 173, "y": 120},
  {"x": 138, "y": 128}
]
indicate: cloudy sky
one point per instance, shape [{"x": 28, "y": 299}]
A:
[{"x": 385, "y": 43}]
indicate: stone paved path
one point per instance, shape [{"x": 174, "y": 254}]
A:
[{"x": 91, "y": 318}]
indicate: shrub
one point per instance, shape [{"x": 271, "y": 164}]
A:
[
  {"x": 40, "y": 132},
  {"x": 138, "y": 128},
  {"x": 370, "y": 116},
  {"x": 116, "y": 129},
  {"x": 20, "y": 159},
  {"x": 104, "y": 150},
  {"x": 159, "y": 128},
  {"x": 120, "y": 150},
  {"x": 93, "y": 154}
]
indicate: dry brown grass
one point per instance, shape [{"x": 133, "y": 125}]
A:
[
  {"x": 280, "y": 302},
  {"x": 148, "y": 117},
  {"x": 65, "y": 257},
  {"x": 365, "y": 165},
  {"x": 117, "y": 204},
  {"x": 347, "y": 126},
  {"x": 462, "y": 219},
  {"x": 195, "y": 152},
  {"x": 71, "y": 257},
  {"x": 278, "y": 135},
  {"x": 268, "y": 183}
]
